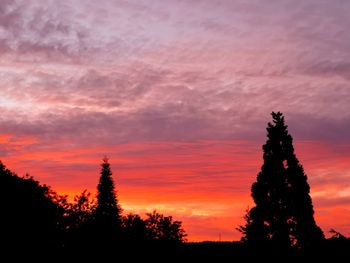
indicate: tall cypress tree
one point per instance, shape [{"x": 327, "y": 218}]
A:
[
  {"x": 108, "y": 211},
  {"x": 283, "y": 212}
]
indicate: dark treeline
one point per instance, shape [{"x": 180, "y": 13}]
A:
[{"x": 35, "y": 221}]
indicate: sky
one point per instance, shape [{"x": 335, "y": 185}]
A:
[{"x": 178, "y": 95}]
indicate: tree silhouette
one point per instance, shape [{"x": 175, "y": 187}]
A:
[
  {"x": 30, "y": 217},
  {"x": 108, "y": 212},
  {"x": 78, "y": 222},
  {"x": 163, "y": 228},
  {"x": 134, "y": 228},
  {"x": 283, "y": 212},
  {"x": 79, "y": 213}
]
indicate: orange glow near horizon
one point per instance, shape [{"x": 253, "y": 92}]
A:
[{"x": 205, "y": 184}]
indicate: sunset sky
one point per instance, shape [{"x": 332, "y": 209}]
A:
[{"x": 177, "y": 94}]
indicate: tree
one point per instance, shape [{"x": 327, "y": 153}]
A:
[
  {"x": 30, "y": 217},
  {"x": 79, "y": 213},
  {"x": 108, "y": 212},
  {"x": 134, "y": 228},
  {"x": 78, "y": 221},
  {"x": 163, "y": 228},
  {"x": 283, "y": 214}
]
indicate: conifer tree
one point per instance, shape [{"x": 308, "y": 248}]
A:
[
  {"x": 283, "y": 212},
  {"x": 108, "y": 212}
]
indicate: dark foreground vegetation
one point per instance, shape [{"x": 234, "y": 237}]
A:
[{"x": 36, "y": 222}]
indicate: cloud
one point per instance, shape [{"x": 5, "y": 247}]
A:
[
  {"x": 330, "y": 68},
  {"x": 29, "y": 28},
  {"x": 332, "y": 202},
  {"x": 309, "y": 126},
  {"x": 149, "y": 104}
]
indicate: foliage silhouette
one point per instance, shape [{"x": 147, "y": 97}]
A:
[
  {"x": 30, "y": 217},
  {"x": 81, "y": 210},
  {"x": 134, "y": 228},
  {"x": 283, "y": 212},
  {"x": 163, "y": 228},
  {"x": 78, "y": 220}
]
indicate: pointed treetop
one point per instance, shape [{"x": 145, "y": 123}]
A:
[
  {"x": 277, "y": 117},
  {"x": 105, "y": 159}
]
